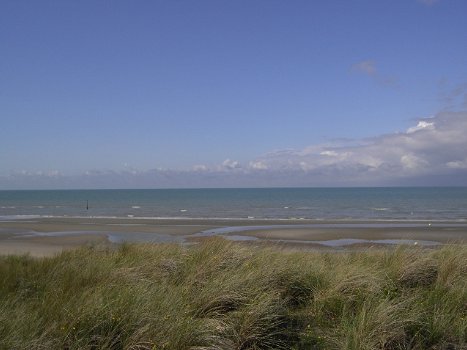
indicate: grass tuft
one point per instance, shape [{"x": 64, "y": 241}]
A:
[{"x": 224, "y": 295}]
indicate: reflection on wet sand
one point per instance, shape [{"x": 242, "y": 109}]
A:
[{"x": 46, "y": 236}]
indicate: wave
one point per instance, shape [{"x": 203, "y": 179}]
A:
[
  {"x": 324, "y": 220},
  {"x": 126, "y": 225},
  {"x": 4, "y": 218}
]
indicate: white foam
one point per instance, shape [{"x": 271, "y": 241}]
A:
[
  {"x": 126, "y": 224},
  {"x": 19, "y": 217}
]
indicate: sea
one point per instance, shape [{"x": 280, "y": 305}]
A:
[{"x": 368, "y": 204}]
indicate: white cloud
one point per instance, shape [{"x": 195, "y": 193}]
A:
[
  {"x": 453, "y": 96},
  {"x": 434, "y": 145},
  {"x": 329, "y": 153},
  {"x": 258, "y": 165},
  {"x": 37, "y": 173},
  {"x": 432, "y": 152},
  {"x": 457, "y": 164},
  {"x": 200, "y": 167},
  {"x": 367, "y": 67},
  {"x": 412, "y": 162},
  {"x": 420, "y": 126},
  {"x": 230, "y": 164}
]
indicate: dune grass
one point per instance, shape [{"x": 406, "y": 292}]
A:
[{"x": 224, "y": 295}]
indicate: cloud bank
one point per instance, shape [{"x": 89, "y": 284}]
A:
[
  {"x": 431, "y": 152},
  {"x": 434, "y": 148}
]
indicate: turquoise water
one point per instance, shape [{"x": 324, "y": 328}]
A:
[{"x": 407, "y": 203}]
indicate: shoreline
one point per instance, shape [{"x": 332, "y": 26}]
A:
[
  {"x": 47, "y": 236},
  {"x": 33, "y": 217}
]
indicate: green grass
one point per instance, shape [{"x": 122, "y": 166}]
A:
[{"x": 223, "y": 295}]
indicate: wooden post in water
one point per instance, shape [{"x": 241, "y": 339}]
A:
[{"x": 87, "y": 204}]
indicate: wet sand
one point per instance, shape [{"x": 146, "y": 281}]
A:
[
  {"x": 39, "y": 246},
  {"x": 428, "y": 233},
  {"x": 48, "y": 236}
]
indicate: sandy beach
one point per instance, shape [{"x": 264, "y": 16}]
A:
[{"x": 48, "y": 236}]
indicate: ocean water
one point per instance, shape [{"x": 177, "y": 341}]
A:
[{"x": 404, "y": 203}]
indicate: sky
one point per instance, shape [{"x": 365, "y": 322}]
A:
[{"x": 215, "y": 93}]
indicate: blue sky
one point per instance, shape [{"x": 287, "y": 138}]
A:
[{"x": 232, "y": 93}]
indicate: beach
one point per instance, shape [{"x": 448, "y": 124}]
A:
[
  {"x": 276, "y": 268},
  {"x": 43, "y": 223},
  {"x": 48, "y": 236}
]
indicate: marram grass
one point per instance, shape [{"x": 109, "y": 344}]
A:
[{"x": 222, "y": 295}]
